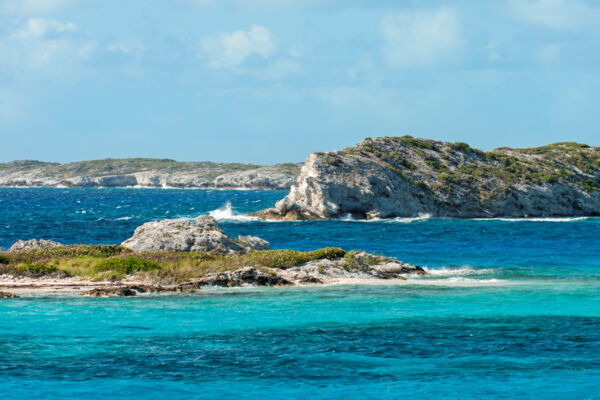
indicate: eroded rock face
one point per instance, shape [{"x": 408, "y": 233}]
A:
[
  {"x": 33, "y": 244},
  {"x": 129, "y": 172},
  {"x": 408, "y": 177},
  {"x": 202, "y": 234},
  {"x": 240, "y": 277}
]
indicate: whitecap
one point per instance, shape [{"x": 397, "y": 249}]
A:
[
  {"x": 227, "y": 213},
  {"x": 536, "y": 219},
  {"x": 458, "y": 271},
  {"x": 401, "y": 220}
]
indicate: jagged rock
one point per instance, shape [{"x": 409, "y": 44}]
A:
[
  {"x": 252, "y": 243},
  {"x": 33, "y": 244},
  {"x": 202, "y": 234},
  {"x": 105, "y": 292},
  {"x": 244, "y": 276},
  {"x": 8, "y": 295},
  {"x": 395, "y": 270},
  {"x": 407, "y": 177}
]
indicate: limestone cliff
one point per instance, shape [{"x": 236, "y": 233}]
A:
[
  {"x": 145, "y": 172},
  {"x": 404, "y": 177}
]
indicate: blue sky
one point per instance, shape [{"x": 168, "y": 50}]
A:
[{"x": 268, "y": 81}]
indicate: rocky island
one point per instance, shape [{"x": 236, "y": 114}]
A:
[
  {"x": 390, "y": 177},
  {"x": 175, "y": 256},
  {"x": 148, "y": 172}
]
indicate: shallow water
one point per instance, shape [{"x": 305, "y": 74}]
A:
[{"x": 510, "y": 309}]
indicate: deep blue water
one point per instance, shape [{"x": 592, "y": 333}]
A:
[{"x": 511, "y": 310}]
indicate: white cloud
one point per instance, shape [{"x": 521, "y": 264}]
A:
[
  {"x": 420, "y": 38},
  {"x": 130, "y": 49},
  {"x": 45, "y": 45},
  {"x": 556, "y": 14},
  {"x": 38, "y": 27},
  {"x": 33, "y": 6},
  {"x": 229, "y": 50}
]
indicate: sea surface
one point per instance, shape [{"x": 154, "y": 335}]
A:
[{"x": 510, "y": 309}]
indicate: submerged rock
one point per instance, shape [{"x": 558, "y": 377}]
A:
[
  {"x": 8, "y": 295},
  {"x": 202, "y": 234},
  {"x": 33, "y": 244},
  {"x": 407, "y": 177}
]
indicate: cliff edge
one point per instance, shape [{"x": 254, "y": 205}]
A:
[{"x": 390, "y": 177}]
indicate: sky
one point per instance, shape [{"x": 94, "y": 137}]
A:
[{"x": 268, "y": 81}]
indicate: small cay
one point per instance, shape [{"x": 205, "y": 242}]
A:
[
  {"x": 391, "y": 177},
  {"x": 181, "y": 256}
]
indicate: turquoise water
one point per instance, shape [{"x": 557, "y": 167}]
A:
[{"x": 510, "y": 309}]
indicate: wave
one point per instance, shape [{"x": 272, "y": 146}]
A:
[
  {"x": 227, "y": 213},
  {"x": 537, "y": 219},
  {"x": 401, "y": 220},
  {"x": 458, "y": 271}
]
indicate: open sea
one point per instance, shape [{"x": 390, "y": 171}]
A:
[{"x": 510, "y": 309}]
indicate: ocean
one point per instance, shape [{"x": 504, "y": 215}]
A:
[{"x": 510, "y": 308}]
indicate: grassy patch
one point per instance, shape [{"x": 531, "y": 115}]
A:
[
  {"x": 158, "y": 267},
  {"x": 4, "y": 259},
  {"x": 35, "y": 269},
  {"x": 126, "y": 266}
]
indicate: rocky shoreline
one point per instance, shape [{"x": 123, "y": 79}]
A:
[
  {"x": 148, "y": 173},
  {"x": 182, "y": 256},
  {"x": 391, "y": 177}
]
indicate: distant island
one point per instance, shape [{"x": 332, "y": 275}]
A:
[
  {"x": 148, "y": 172},
  {"x": 389, "y": 177}
]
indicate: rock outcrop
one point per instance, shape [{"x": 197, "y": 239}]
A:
[
  {"x": 148, "y": 173},
  {"x": 32, "y": 244},
  {"x": 406, "y": 177},
  {"x": 8, "y": 295},
  {"x": 201, "y": 234},
  {"x": 240, "y": 277}
]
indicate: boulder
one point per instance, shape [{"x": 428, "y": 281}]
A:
[
  {"x": 201, "y": 234},
  {"x": 33, "y": 244}
]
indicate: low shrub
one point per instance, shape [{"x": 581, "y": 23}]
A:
[
  {"x": 4, "y": 259},
  {"x": 125, "y": 265},
  {"x": 35, "y": 269}
]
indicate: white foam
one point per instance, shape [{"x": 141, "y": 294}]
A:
[
  {"x": 458, "y": 271},
  {"x": 540, "y": 219},
  {"x": 123, "y": 219},
  {"x": 402, "y": 220},
  {"x": 227, "y": 213}
]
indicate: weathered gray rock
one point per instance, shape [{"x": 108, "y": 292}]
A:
[
  {"x": 202, "y": 234},
  {"x": 33, "y": 244},
  {"x": 148, "y": 173},
  {"x": 252, "y": 243},
  {"x": 360, "y": 265},
  {"x": 408, "y": 177},
  {"x": 240, "y": 277}
]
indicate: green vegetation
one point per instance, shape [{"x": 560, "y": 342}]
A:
[
  {"x": 99, "y": 262},
  {"x": 4, "y": 259},
  {"x": 116, "y": 166},
  {"x": 126, "y": 266},
  {"x": 35, "y": 269},
  {"x": 457, "y": 166}
]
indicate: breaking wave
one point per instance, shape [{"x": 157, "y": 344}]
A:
[
  {"x": 227, "y": 213},
  {"x": 401, "y": 220},
  {"x": 458, "y": 271},
  {"x": 540, "y": 219}
]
